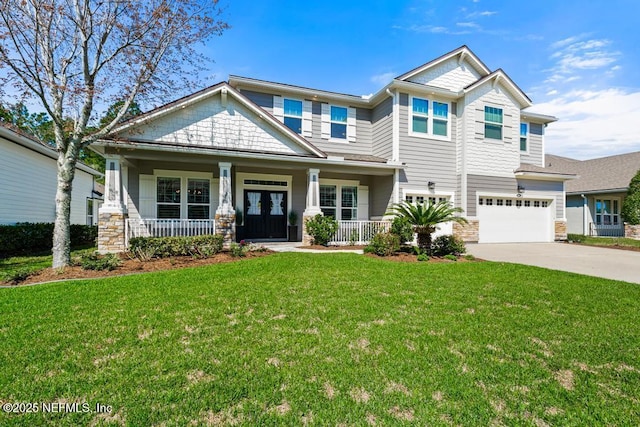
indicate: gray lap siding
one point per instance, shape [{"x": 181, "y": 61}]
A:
[{"x": 427, "y": 159}]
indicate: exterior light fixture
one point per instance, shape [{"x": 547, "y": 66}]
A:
[
  {"x": 520, "y": 188},
  {"x": 431, "y": 185}
]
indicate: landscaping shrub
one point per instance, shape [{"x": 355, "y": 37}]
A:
[
  {"x": 97, "y": 262},
  {"x": 238, "y": 249},
  {"x": 450, "y": 257},
  {"x": 29, "y": 238},
  {"x": 578, "y": 238},
  {"x": 631, "y": 205},
  {"x": 162, "y": 247},
  {"x": 423, "y": 257},
  {"x": 448, "y": 245},
  {"x": 402, "y": 228},
  {"x": 383, "y": 244},
  {"x": 322, "y": 229}
]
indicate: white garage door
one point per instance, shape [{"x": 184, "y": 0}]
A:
[{"x": 506, "y": 220}]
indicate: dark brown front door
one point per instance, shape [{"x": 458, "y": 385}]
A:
[{"x": 265, "y": 214}]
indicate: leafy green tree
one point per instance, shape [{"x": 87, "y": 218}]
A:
[
  {"x": 631, "y": 204},
  {"x": 425, "y": 217}
]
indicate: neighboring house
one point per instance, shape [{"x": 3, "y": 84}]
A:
[
  {"x": 451, "y": 129},
  {"x": 594, "y": 200},
  {"x": 28, "y": 177}
]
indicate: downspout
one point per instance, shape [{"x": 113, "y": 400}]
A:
[
  {"x": 395, "y": 143},
  {"x": 463, "y": 157},
  {"x": 585, "y": 205}
]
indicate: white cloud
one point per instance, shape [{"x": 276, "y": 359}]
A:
[
  {"x": 383, "y": 78},
  {"x": 572, "y": 56},
  {"x": 593, "y": 123}
]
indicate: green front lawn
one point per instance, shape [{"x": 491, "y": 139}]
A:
[
  {"x": 607, "y": 242},
  {"x": 13, "y": 267},
  {"x": 326, "y": 339}
]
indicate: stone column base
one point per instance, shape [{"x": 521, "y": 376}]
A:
[
  {"x": 226, "y": 227},
  {"x": 632, "y": 231},
  {"x": 469, "y": 233},
  {"x": 560, "y": 231},
  {"x": 307, "y": 239},
  {"x": 111, "y": 229}
]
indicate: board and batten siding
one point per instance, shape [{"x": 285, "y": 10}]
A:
[
  {"x": 382, "y": 129},
  {"x": 28, "y": 187},
  {"x": 449, "y": 75},
  {"x": 534, "y": 156},
  {"x": 427, "y": 159},
  {"x": 485, "y": 156}
]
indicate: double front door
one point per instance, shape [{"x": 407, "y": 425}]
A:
[{"x": 265, "y": 214}]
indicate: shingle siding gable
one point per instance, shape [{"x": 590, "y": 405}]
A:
[{"x": 449, "y": 75}]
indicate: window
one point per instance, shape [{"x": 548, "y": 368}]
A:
[
  {"x": 293, "y": 115},
  {"x": 607, "y": 212},
  {"x": 89, "y": 211},
  {"x": 493, "y": 122},
  {"x": 508, "y": 202},
  {"x": 409, "y": 199},
  {"x": 527, "y": 203},
  {"x": 420, "y": 115},
  {"x": 429, "y": 118},
  {"x": 518, "y": 203},
  {"x": 524, "y": 131},
  {"x": 198, "y": 198},
  {"x": 168, "y": 192},
  {"x": 489, "y": 202},
  {"x": 349, "y": 209},
  {"x": 328, "y": 200},
  {"x": 440, "y": 118},
  {"x": 536, "y": 203},
  {"x": 338, "y": 122}
]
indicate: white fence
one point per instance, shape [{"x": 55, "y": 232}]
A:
[
  {"x": 358, "y": 232},
  {"x": 606, "y": 230},
  {"x": 169, "y": 227}
]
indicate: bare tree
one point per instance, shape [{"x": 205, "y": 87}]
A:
[{"x": 71, "y": 55}]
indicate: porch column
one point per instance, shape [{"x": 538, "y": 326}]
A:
[
  {"x": 111, "y": 216},
  {"x": 225, "y": 214},
  {"x": 313, "y": 203}
]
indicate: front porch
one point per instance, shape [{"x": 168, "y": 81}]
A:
[{"x": 240, "y": 200}]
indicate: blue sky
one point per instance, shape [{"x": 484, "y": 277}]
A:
[{"x": 577, "y": 60}]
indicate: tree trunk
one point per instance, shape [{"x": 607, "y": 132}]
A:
[
  {"x": 61, "y": 230},
  {"x": 424, "y": 238}
]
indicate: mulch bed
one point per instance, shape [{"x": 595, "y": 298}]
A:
[{"x": 133, "y": 266}]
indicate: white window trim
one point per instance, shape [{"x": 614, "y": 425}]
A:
[
  {"x": 339, "y": 183},
  {"x": 184, "y": 177},
  {"x": 502, "y": 125},
  {"x": 430, "y": 118},
  {"x": 527, "y": 136},
  {"x": 350, "y": 124}
]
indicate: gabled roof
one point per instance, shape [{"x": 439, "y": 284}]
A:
[
  {"x": 500, "y": 77},
  {"x": 224, "y": 89},
  {"x": 25, "y": 139},
  {"x": 463, "y": 53},
  {"x": 604, "y": 174}
]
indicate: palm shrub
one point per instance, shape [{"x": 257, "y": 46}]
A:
[
  {"x": 402, "y": 228},
  {"x": 631, "y": 205},
  {"x": 425, "y": 217}
]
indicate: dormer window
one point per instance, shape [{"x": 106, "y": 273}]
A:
[
  {"x": 293, "y": 115},
  {"x": 493, "y": 122},
  {"x": 338, "y": 122}
]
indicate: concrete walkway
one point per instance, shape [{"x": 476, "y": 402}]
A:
[
  {"x": 614, "y": 264},
  {"x": 296, "y": 247}
]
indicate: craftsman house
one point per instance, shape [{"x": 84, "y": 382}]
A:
[{"x": 450, "y": 129}]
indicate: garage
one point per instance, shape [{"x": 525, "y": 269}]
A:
[{"x": 513, "y": 220}]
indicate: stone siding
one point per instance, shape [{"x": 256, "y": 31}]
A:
[
  {"x": 467, "y": 232},
  {"x": 226, "y": 227},
  {"x": 631, "y": 231},
  {"x": 560, "y": 230},
  {"x": 111, "y": 232}
]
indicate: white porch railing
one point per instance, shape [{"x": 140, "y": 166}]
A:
[
  {"x": 168, "y": 227},
  {"x": 358, "y": 232},
  {"x": 606, "y": 230}
]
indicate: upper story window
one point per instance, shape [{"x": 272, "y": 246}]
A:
[
  {"x": 338, "y": 122},
  {"x": 293, "y": 115},
  {"x": 524, "y": 134},
  {"x": 429, "y": 118},
  {"x": 493, "y": 122}
]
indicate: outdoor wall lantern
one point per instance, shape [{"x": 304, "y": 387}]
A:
[
  {"x": 520, "y": 188},
  {"x": 431, "y": 185}
]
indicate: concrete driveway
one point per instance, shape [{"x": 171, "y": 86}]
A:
[{"x": 600, "y": 262}]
